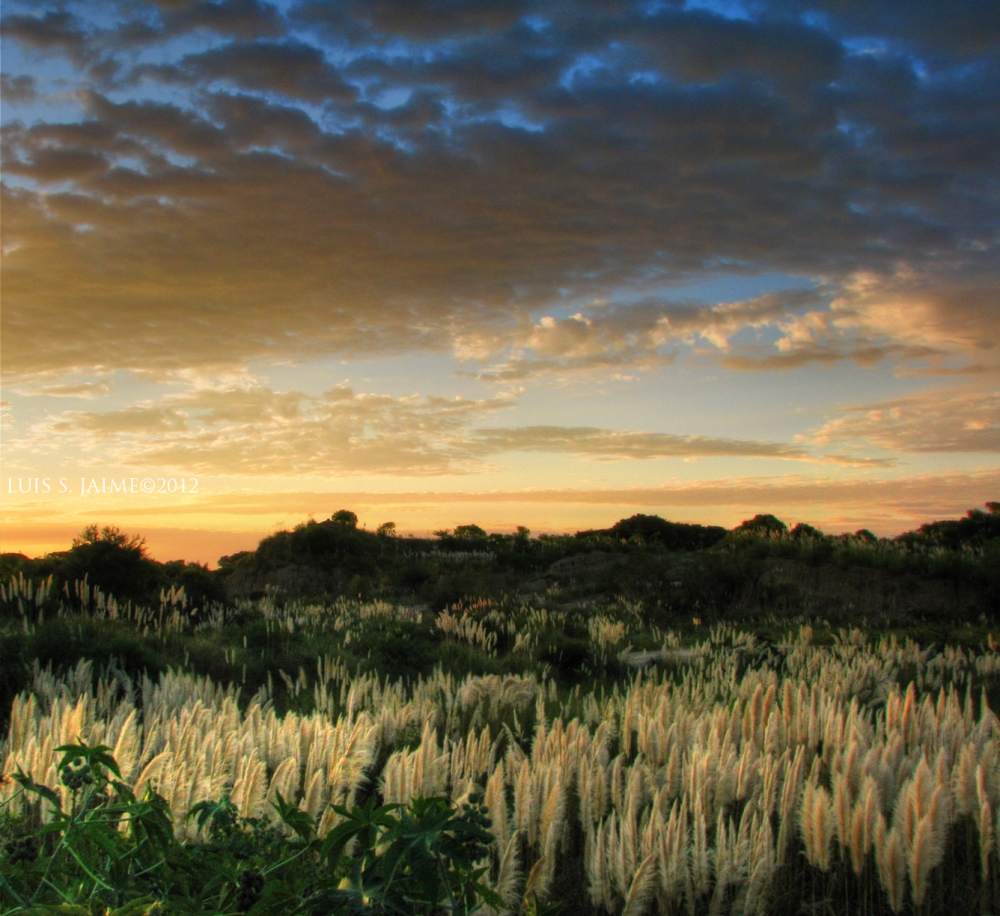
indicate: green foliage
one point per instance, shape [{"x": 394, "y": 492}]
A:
[
  {"x": 975, "y": 530},
  {"x": 13, "y": 673},
  {"x": 345, "y": 518},
  {"x": 416, "y": 861},
  {"x": 761, "y": 525},
  {"x": 335, "y": 558},
  {"x": 470, "y": 533},
  {"x": 113, "y": 561},
  {"x": 400, "y": 649},
  {"x": 567, "y": 655},
  {"x": 651, "y": 529},
  {"x": 802, "y": 531},
  {"x": 80, "y": 855},
  {"x": 201, "y": 586},
  {"x": 849, "y": 580},
  {"x": 109, "y": 534},
  {"x": 112, "y": 853},
  {"x": 13, "y": 563},
  {"x": 62, "y": 642}
]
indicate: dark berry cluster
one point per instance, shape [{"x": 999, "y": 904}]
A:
[
  {"x": 77, "y": 774},
  {"x": 21, "y": 849},
  {"x": 475, "y": 812},
  {"x": 250, "y": 888}
]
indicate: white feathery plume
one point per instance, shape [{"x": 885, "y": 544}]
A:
[{"x": 642, "y": 889}]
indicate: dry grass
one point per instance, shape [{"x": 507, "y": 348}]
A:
[{"x": 711, "y": 789}]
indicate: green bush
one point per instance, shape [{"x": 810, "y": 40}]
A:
[
  {"x": 402, "y": 649},
  {"x": 429, "y": 858},
  {"x": 64, "y": 641}
]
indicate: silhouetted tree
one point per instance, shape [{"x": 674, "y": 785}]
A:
[
  {"x": 114, "y": 561},
  {"x": 802, "y": 530},
  {"x": 974, "y": 530},
  {"x": 470, "y": 533},
  {"x": 651, "y": 529},
  {"x": 762, "y": 525}
]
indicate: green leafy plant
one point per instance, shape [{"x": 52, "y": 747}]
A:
[
  {"x": 98, "y": 850},
  {"x": 416, "y": 861},
  {"x": 111, "y": 854}
]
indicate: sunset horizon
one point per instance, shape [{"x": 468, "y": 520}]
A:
[{"x": 529, "y": 263}]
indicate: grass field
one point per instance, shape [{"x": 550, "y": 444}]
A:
[{"x": 823, "y": 770}]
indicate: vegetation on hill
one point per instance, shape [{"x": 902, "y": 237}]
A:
[
  {"x": 335, "y": 558},
  {"x": 656, "y": 716}
]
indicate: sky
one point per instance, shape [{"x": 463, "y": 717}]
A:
[{"x": 542, "y": 263}]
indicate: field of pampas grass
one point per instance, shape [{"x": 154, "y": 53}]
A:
[{"x": 823, "y": 781}]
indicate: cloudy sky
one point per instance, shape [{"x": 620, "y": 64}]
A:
[{"x": 447, "y": 261}]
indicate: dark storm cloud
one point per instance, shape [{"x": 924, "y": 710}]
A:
[{"x": 378, "y": 178}]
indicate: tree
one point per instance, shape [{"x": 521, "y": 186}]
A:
[
  {"x": 802, "y": 530},
  {"x": 762, "y": 525},
  {"x": 470, "y": 533},
  {"x": 386, "y": 530},
  {"x": 114, "y": 561},
  {"x": 345, "y": 517},
  {"x": 651, "y": 529},
  {"x": 975, "y": 530},
  {"x": 109, "y": 534}
]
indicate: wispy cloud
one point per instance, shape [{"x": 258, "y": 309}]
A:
[
  {"x": 933, "y": 421},
  {"x": 630, "y": 445},
  {"x": 258, "y": 431}
]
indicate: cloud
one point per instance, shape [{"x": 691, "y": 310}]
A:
[
  {"x": 929, "y": 422},
  {"x": 928, "y": 316},
  {"x": 17, "y": 89},
  {"x": 244, "y": 19},
  {"x": 256, "y": 431},
  {"x": 824, "y": 353},
  {"x": 253, "y": 430},
  {"x": 901, "y": 501},
  {"x": 73, "y": 390},
  {"x": 290, "y": 69},
  {"x": 963, "y": 29},
  {"x": 700, "y": 46},
  {"x": 630, "y": 445},
  {"x": 54, "y": 30},
  {"x": 644, "y": 334},
  {"x": 371, "y": 179}
]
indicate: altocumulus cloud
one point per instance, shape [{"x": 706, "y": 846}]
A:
[
  {"x": 950, "y": 420},
  {"x": 198, "y": 192},
  {"x": 240, "y": 181},
  {"x": 256, "y": 431}
]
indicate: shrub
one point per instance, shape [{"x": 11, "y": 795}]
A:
[{"x": 426, "y": 858}]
